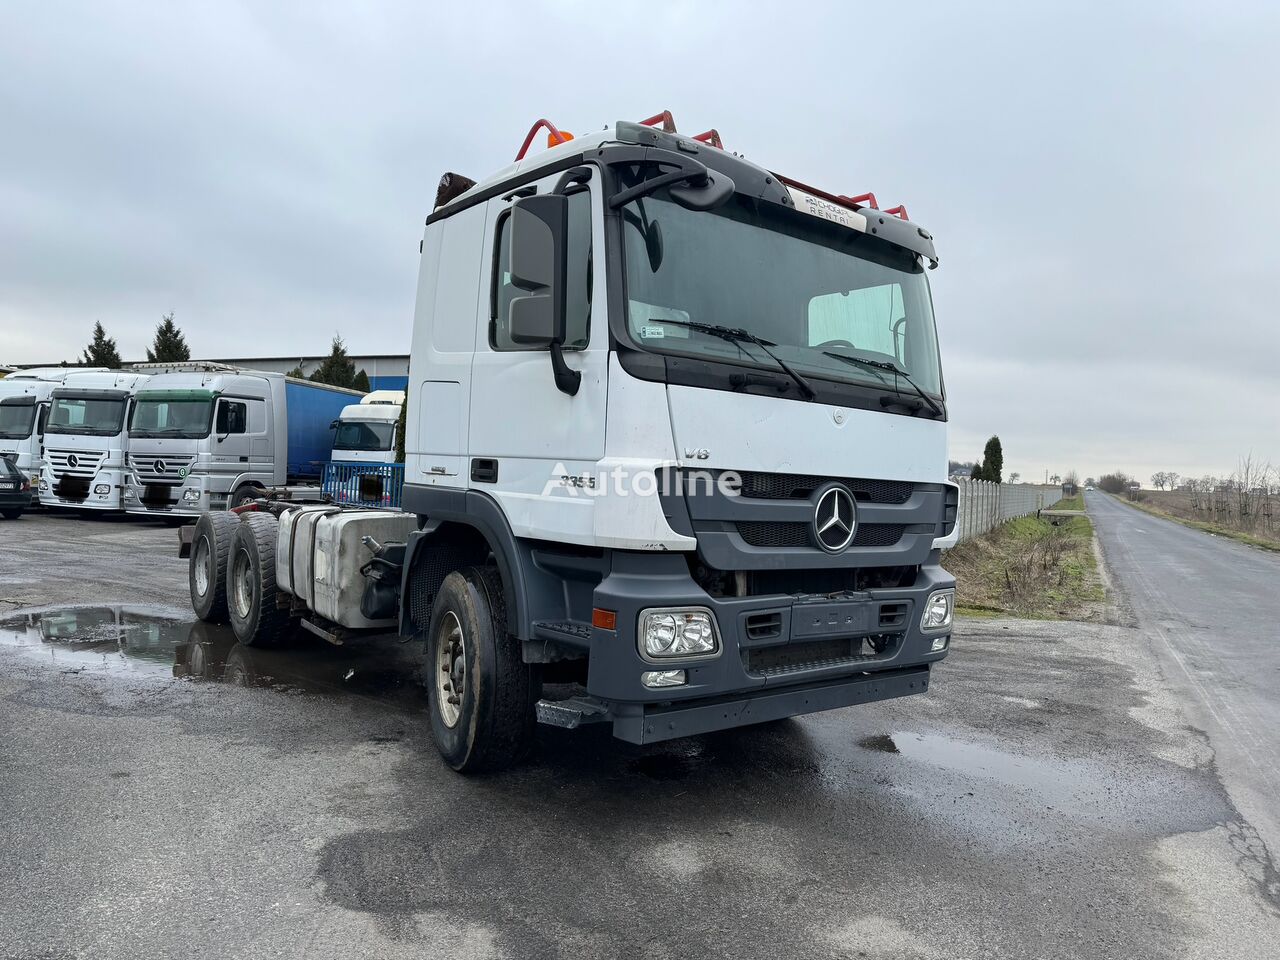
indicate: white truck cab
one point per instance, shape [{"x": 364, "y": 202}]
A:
[
  {"x": 86, "y": 440},
  {"x": 24, "y": 408},
  {"x": 365, "y": 432},
  {"x": 676, "y": 442}
]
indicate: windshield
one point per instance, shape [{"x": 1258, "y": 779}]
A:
[
  {"x": 95, "y": 416},
  {"x": 364, "y": 435},
  {"x": 184, "y": 419},
  {"x": 802, "y": 283},
  {"x": 16, "y": 420}
]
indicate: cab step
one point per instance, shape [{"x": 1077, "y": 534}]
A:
[{"x": 571, "y": 713}]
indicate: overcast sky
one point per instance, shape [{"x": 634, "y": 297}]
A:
[{"x": 1102, "y": 180}]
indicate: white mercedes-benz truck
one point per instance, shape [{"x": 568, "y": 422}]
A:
[
  {"x": 676, "y": 457},
  {"x": 365, "y": 432},
  {"x": 24, "y": 407},
  {"x": 210, "y": 437},
  {"x": 86, "y": 440}
]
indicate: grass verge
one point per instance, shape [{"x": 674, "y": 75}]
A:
[
  {"x": 1217, "y": 529},
  {"x": 1030, "y": 568}
]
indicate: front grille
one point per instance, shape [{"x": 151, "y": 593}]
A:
[
  {"x": 799, "y": 486},
  {"x": 771, "y": 533},
  {"x": 86, "y": 462},
  {"x": 173, "y": 468},
  {"x": 820, "y": 654}
]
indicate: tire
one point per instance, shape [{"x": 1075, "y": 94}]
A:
[
  {"x": 11, "y": 514},
  {"x": 256, "y": 620},
  {"x": 207, "y": 571},
  {"x": 481, "y": 693},
  {"x": 242, "y": 495}
]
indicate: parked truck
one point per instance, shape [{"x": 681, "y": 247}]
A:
[
  {"x": 86, "y": 440},
  {"x": 211, "y": 437},
  {"x": 676, "y": 457},
  {"x": 365, "y": 432},
  {"x": 25, "y": 396}
]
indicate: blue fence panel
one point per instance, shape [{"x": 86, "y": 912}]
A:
[{"x": 365, "y": 484}]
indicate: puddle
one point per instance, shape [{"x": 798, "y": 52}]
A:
[
  {"x": 1068, "y": 785},
  {"x": 141, "y": 641}
]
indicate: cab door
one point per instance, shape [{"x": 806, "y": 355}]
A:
[{"x": 526, "y": 434}]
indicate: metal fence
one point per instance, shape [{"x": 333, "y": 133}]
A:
[
  {"x": 985, "y": 505},
  {"x": 365, "y": 484}
]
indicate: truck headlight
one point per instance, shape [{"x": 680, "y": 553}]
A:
[
  {"x": 678, "y": 633},
  {"x": 102, "y": 489},
  {"x": 191, "y": 496},
  {"x": 938, "y": 610},
  {"x": 44, "y": 484}
]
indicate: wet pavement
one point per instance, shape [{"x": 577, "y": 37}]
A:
[{"x": 168, "y": 792}]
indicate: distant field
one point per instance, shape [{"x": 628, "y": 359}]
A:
[{"x": 1257, "y": 529}]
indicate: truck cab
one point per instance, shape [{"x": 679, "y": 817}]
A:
[
  {"x": 365, "y": 432},
  {"x": 212, "y": 437},
  {"x": 86, "y": 440},
  {"x": 24, "y": 408},
  {"x": 689, "y": 415}
]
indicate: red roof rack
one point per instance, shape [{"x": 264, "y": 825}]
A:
[
  {"x": 665, "y": 117},
  {"x": 900, "y": 211},
  {"x": 711, "y": 137},
  {"x": 551, "y": 132}
]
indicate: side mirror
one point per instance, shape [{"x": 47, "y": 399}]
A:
[
  {"x": 539, "y": 225},
  {"x": 333, "y": 424},
  {"x": 538, "y": 257}
]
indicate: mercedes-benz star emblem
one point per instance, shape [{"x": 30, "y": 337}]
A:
[
  {"x": 834, "y": 519},
  {"x": 73, "y": 461},
  {"x": 158, "y": 466}
]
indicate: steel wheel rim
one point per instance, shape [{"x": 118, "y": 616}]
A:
[
  {"x": 450, "y": 668},
  {"x": 242, "y": 585},
  {"x": 202, "y": 568}
]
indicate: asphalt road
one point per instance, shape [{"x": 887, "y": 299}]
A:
[
  {"x": 166, "y": 793},
  {"x": 1209, "y": 608}
]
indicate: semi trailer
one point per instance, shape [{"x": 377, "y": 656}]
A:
[
  {"x": 676, "y": 457},
  {"x": 86, "y": 440},
  {"x": 210, "y": 437}
]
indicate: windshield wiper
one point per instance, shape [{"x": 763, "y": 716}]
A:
[
  {"x": 738, "y": 335},
  {"x": 892, "y": 368}
]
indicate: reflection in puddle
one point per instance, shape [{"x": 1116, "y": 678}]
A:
[{"x": 139, "y": 641}]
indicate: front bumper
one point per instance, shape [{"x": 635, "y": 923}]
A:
[
  {"x": 780, "y": 655},
  {"x": 52, "y": 492},
  {"x": 171, "y": 500}
]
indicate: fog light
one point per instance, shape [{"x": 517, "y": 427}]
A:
[
  {"x": 663, "y": 678},
  {"x": 44, "y": 484},
  {"x": 191, "y": 496},
  {"x": 937, "y": 610},
  {"x": 102, "y": 489},
  {"x": 130, "y": 493},
  {"x": 939, "y": 644},
  {"x": 678, "y": 633}
]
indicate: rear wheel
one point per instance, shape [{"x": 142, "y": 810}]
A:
[
  {"x": 256, "y": 618},
  {"x": 207, "y": 575},
  {"x": 481, "y": 692}
]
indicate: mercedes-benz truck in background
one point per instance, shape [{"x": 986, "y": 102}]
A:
[
  {"x": 365, "y": 432},
  {"x": 676, "y": 457},
  {"x": 24, "y": 407},
  {"x": 212, "y": 437},
  {"x": 86, "y": 440}
]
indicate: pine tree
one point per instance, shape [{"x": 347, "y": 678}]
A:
[
  {"x": 170, "y": 345},
  {"x": 297, "y": 373},
  {"x": 337, "y": 369},
  {"x": 993, "y": 461},
  {"x": 361, "y": 382},
  {"x": 102, "y": 351}
]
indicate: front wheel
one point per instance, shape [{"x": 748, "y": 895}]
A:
[
  {"x": 11, "y": 514},
  {"x": 481, "y": 692}
]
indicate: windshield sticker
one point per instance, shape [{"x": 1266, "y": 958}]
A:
[
  {"x": 653, "y": 332},
  {"x": 826, "y": 210}
]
